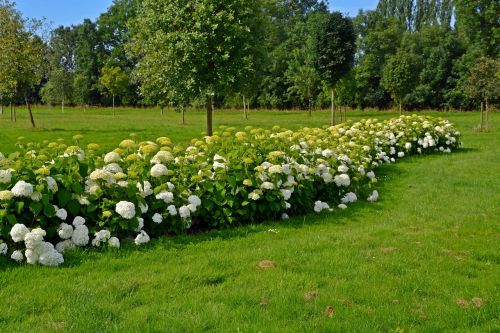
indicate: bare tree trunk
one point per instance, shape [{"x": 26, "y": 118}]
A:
[
  {"x": 245, "y": 108},
  {"x": 30, "y": 113},
  {"x": 482, "y": 120},
  {"x": 62, "y": 106},
  {"x": 162, "y": 110},
  {"x": 332, "y": 110},
  {"x": 210, "y": 107},
  {"x": 487, "y": 115},
  {"x": 11, "y": 113},
  {"x": 15, "y": 114},
  {"x": 183, "y": 116},
  {"x": 114, "y": 105},
  {"x": 400, "y": 108},
  {"x": 1, "y": 107}
]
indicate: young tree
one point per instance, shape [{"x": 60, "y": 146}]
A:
[
  {"x": 483, "y": 84},
  {"x": 21, "y": 54},
  {"x": 115, "y": 81},
  {"x": 192, "y": 49},
  {"x": 335, "y": 48},
  {"x": 399, "y": 76}
]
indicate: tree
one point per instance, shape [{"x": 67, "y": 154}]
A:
[
  {"x": 483, "y": 83},
  {"x": 399, "y": 76},
  {"x": 335, "y": 48},
  {"x": 115, "y": 81},
  {"x": 61, "y": 59},
  {"x": 192, "y": 49},
  {"x": 21, "y": 54}
]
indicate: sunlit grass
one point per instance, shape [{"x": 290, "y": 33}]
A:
[{"x": 424, "y": 258}]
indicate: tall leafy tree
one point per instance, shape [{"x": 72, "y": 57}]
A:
[
  {"x": 399, "y": 76},
  {"x": 335, "y": 48},
  {"x": 192, "y": 49},
  {"x": 115, "y": 81}
]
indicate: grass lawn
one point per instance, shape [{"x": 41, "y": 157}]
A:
[{"x": 425, "y": 258}]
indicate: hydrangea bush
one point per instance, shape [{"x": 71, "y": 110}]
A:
[{"x": 55, "y": 197}]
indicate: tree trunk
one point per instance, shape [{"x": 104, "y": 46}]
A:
[
  {"x": 400, "y": 108},
  {"x": 30, "y": 113},
  {"x": 62, "y": 106},
  {"x": 114, "y": 105},
  {"x": 162, "y": 110},
  {"x": 183, "y": 116},
  {"x": 487, "y": 115},
  {"x": 245, "y": 110},
  {"x": 11, "y": 112},
  {"x": 15, "y": 114},
  {"x": 1, "y": 108},
  {"x": 332, "y": 110},
  {"x": 482, "y": 120},
  {"x": 210, "y": 108}
]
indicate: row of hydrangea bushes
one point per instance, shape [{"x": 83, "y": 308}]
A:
[{"x": 54, "y": 197}]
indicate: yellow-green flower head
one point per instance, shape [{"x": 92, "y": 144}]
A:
[
  {"x": 164, "y": 141},
  {"x": 62, "y": 146},
  {"x": 247, "y": 182},
  {"x": 6, "y": 195},
  {"x": 191, "y": 150},
  {"x": 259, "y": 168},
  {"x": 133, "y": 158},
  {"x": 107, "y": 214},
  {"x": 276, "y": 128},
  {"x": 226, "y": 134},
  {"x": 248, "y": 128},
  {"x": 44, "y": 171},
  {"x": 240, "y": 136},
  {"x": 127, "y": 143},
  {"x": 120, "y": 176},
  {"x": 92, "y": 146},
  {"x": 149, "y": 149},
  {"x": 275, "y": 154},
  {"x": 247, "y": 160},
  {"x": 72, "y": 150},
  {"x": 199, "y": 143},
  {"x": 42, "y": 158},
  {"x": 196, "y": 178},
  {"x": 77, "y": 137},
  {"x": 119, "y": 151}
]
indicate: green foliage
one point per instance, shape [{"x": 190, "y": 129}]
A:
[
  {"x": 399, "y": 75},
  {"x": 484, "y": 80},
  {"x": 335, "y": 47},
  {"x": 114, "y": 80}
]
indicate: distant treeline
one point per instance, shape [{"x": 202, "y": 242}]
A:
[{"x": 426, "y": 48}]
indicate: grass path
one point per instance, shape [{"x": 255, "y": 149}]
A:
[{"x": 425, "y": 258}]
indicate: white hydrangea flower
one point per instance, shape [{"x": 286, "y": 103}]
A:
[
  {"x": 18, "y": 232},
  {"x": 64, "y": 245},
  {"x": 62, "y": 214},
  {"x": 111, "y": 157},
  {"x": 284, "y": 216},
  {"x": 401, "y": 154},
  {"x": 159, "y": 170},
  {"x": 80, "y": 235},
  {"x": 146, "y": 190},
  {"x": 192, "y": 208},
  {"x": 31, "y": 256},
  {"x": 125, "y": 209},
  {"x": 219, "y": 162},
  {"x": 5, "y": 176},
  {"x": 102, "y": 175},
  {"x": 51, "y": 257},
  {"x": 140, "y": 220},
  {"x": 166, "y": 196},
  {"x": 6, "y": 195},
  {"x": 319, "y": 206},
  {"x": 267, "y": 186},
  {"x": 144, "y": 208},
  {"x": 51, "y": 184},
  {"x": 275, "y": 169},
  {"x": 172, "y": 210},
  {"x": 327, "y": 177},
  {"x": 22, "y": 189},
  {"x": 17, "y": 256},
  {"x": 408, "y": 145},
  {"x": 194, "y": 200},
  {"x": 184, "y": 212},
  {"x": 370, "y": 174},
  {"x": 157, "y": 218},
  {"x": 349, "y": 197},
  {"x": 253, "y": 196},
  {"x": 114, "y": 242},
  {"x": 342, "y": 206},
  {"x": 113, "y": 168},
  {"x": 286, "y": 194},
  {"x": 65, "y": 231},
  {"x": 170, "y": 186},
  {"x": 4, "y": 248},
  {"x": 342, "y": 180},
  {"x": 343, "y": 168},
  {"x": 141, "y": 238},
  {"x": 162, "y": 157},
  {"x": 78, "y": 220},
  {"x": 373, "y": 197}
]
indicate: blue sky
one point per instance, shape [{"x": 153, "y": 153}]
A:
[{"x": 68, "y": 12}]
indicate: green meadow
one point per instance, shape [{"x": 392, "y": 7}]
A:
[{"x": 424, "y": 258}]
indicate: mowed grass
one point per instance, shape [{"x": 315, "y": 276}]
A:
[{"x": 425, "y": 258}]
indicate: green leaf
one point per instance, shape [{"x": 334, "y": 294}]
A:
[
  {"x": 73, "y": 207},
  {"x": 49, "y": 210},
  {"x": 12, "y": 219},
  {"x": 63, "y": 197},
  {"x": 36, "y": 208},
  {"x": 19, "y": 207}
]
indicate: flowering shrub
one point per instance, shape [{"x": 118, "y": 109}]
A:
[{"x": 51, "y": 193}]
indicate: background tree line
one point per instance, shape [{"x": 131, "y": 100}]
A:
[{"x": 413, "y": 54}]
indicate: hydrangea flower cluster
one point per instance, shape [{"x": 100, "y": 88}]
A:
[{"x": 142, "y": 190}]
